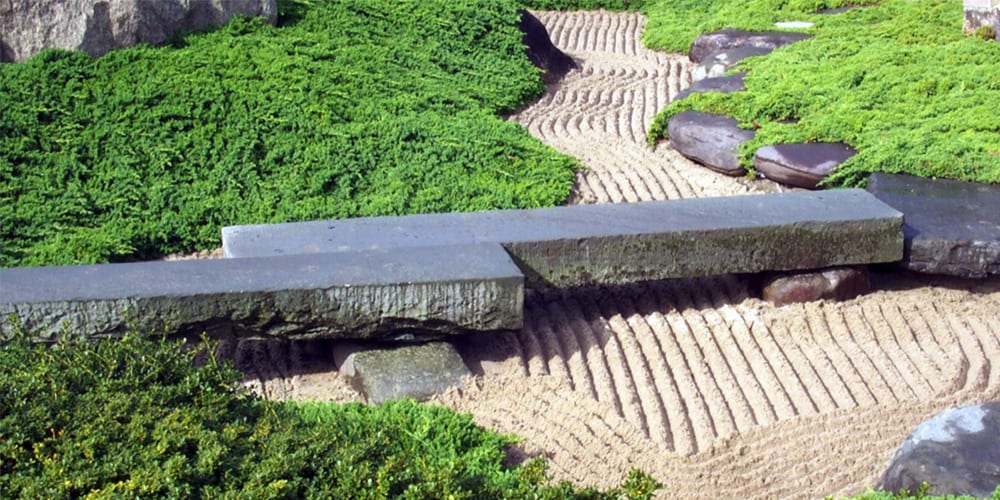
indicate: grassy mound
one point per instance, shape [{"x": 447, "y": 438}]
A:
[
  {"x": 898, "y": 81},
  {"x": 349, "y": 108},
  {"x": 135, "y": 417}
]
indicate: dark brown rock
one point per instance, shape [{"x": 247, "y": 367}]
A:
[
  {"x": 709, "y": 43},
  {"x": 542, "y": 52},
  {"x": 950, "y": 227},
  {"x": 97, "y": 26},
  {"x": 712, "y": 140},
  {"x": 721, "y": 84},
  {"x": 839, "y": 283},
  {"x": 957, "y": 452},
  {"x": 801, "y": 165}
]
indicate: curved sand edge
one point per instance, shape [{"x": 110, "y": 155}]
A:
[{"x": 714, "y": 392}]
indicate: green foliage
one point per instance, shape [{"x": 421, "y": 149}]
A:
[
  {"x": 896, "y": 81},
  {"x": 920, "y": 494},
  {"x": 348, "y": 108},
  {"x": 139, "y": 418}
]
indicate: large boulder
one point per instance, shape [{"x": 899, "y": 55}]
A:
[
  {"x": 956, "y": 453},
  {"x": 718, "y": 63},
  {"x": 802, "y": 165},
  {"x": 97, "y": 26},
  {"x": 713, "y": 42},
  {"x": 712, "y": 140},
  {"x": 541, "y": 51}
]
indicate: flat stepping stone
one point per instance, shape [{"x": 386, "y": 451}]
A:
[
  {"x": 431, "y": 291},
  {"x": 383, "y": 373},
  {"x": 709, "y": 43},
  {"x": 711, "y": 140},
  {"x": 624, "y": 242},
  {"x": 957, "y": 452},
  {"x": 802, "y": 165},
  {"x": 721, "y": 84},
  {"x": 718, "y": 63},
  {"x": 950, "y": 227}
]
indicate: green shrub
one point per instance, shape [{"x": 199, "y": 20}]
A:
[
  {"x": 138, "y": 417},
  {"x": 920, "y": 494},
  {"x": 896, "y": 81},
  {"x": 348, "y": 108}
]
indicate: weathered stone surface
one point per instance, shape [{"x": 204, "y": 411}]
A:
[
  {"x": 97, "y": 26},
  {"x": 627, "y": 242},
  {"x": 951, "y": 227},
  {"x": 956, "y": 453},
  {"x": 801, "y": 165},
  {"x": 709, "y": 43},
  {"x": 722, "y": 84},
  {"x": 711, "y": 140},
  {"x": 982, "y": 13},
  {"x": 416, "y": 371},
  {"x": 542, "y": 53},
  {"x": 718, "y": 63},
  {"x": 441, "y": 290},
  {"x": 841, "y": 283}
]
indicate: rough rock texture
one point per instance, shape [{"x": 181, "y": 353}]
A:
[
  {"x": 417, "y": 371},
  {"x": 951, "y": 227},
  {"x": 415, "y": 291},
  {"x": 712, "y": 140},
  {"x": 97, "y": 26},
  {"x": 957, "y": 453},
  {"x": 841, "y": 283},
  {"x": 801, "y": 165},
  {"x": 709, "y": 43},
  {"x": 718, "y": 63},
  {"x": 542, "y": 53},
  {"x": 722, "y": 84},
  {"x": 982, "y": 13}
]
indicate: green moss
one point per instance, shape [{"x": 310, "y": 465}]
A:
[
  {"x": 348, "y": 108},
  {"x": 897, "y": 81}
]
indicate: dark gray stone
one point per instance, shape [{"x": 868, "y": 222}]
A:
[
  {"x": 718, "y": 63},
  {"x": 840, "y": 283},
  {"x": 802, "y": 165},
  {"x": 721, "y": 84},
  {"x": 956, "y": 453},
  {"x": 709, "y": 43},
  {"x": 542, "y": 53},
  {"x": 440, "y": 290},
  {"x": 951, "y": 227},
  {"x": 415, "y": 371},
  {"x": 711, "y": 140},
  {"x": 627, "y": 242},
  {"x": 97, "y": 26}
]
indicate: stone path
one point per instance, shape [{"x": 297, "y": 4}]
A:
[{"x": 716, "y": 393}]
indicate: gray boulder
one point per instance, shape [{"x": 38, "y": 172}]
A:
[
  {"x": 803, "y": 164},
  {"x": 710, "y": 43},
  {"x": 718, "y": 63},
  {"x": 712, "y": 140},
  {"x": 956, "y": 453},
  {"x": 721, "y": 84},
  {"x": 97, "y": 26}
]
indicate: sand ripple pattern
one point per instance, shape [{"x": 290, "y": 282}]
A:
[
  {"x": 696, "y": 380},
  {"x": 600, "y": 113}
]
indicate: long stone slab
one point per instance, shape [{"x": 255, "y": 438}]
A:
[
  {"x": 624, "y": 243},
  {"x": 439, "y": 290},
  {"x": 951, "y": 227}
]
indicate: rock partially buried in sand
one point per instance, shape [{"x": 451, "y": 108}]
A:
[
  {"x": 957, "y": 453},
  {"x": 801, "y": 165},
  {"x": 709, "y": 43},
  {"x": 382, "y": 372},
  {"x": 839, "y": 283},
  {"x": 541, "y": 51},
  {"x": 721, "y": 84},
  {"x": 712, "y": 140}
]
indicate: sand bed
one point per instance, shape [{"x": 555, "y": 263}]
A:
[{"x": 695, "y": 381}]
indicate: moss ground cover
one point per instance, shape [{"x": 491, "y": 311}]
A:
[
  {"x": 348, "y": 108},
  {"x": 897, "y": 80},
  {"x": 137, "y": 418}
]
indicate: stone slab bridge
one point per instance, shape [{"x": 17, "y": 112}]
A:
[{"x": 427, "y": 276}]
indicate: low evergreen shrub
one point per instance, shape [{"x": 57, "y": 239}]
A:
[
  {"x": 897, "y": 81},
  {"x": 139, "y": 418}
]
